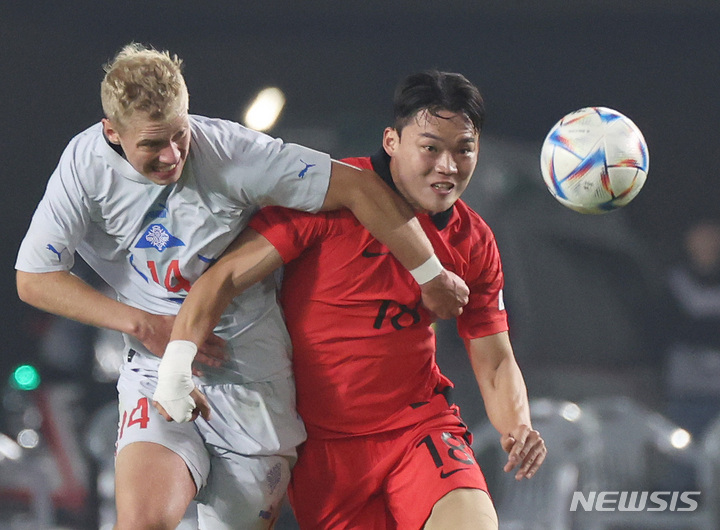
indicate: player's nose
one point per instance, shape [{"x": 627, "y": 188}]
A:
[
  {"x": 446, "y": 164},
  {"x": 170, "y": 154}
]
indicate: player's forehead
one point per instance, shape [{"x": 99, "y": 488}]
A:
[
  {"x": 442, "y": 123},
  {"x": 141, "y": 125}
]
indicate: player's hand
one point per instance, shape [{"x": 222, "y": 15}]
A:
[
  {"x": 445, "y": 295},
  {"x": 526, "y": 451},
  {"x": 154, "y": 332},
  {"x": 155, "y": 335},
  {"x": 212, "y": 352},
  {"x": 202, "y": 407},
  {"x": 176, "y": 397}
]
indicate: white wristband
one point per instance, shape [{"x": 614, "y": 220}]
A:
[
  {"x": 428, "y": 270},
  {"x": 175, "y": 380}
]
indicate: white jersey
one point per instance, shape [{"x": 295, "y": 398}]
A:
[{"x": 151, "y": 242}]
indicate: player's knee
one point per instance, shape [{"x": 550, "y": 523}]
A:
[{"x": 463, "y": 509}]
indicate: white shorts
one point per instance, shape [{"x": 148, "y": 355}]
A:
[{"x": 240, "y": 459}]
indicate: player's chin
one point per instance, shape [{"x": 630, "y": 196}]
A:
[
  {"x": 164, "y": 178},
  {"x": 439, "y": 204}
]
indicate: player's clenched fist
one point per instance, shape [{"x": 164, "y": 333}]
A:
[
  {"x": 445, "y": 295},
  {"x": 176, "y": 397}
]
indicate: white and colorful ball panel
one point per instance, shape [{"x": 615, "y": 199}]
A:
[{"x": 594, "y": 160}]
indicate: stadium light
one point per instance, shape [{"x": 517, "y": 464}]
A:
[
  {"x": 265, "y": 109},
  {"x": 25, "y": 377},
  {"x": 680, "y": 438}
]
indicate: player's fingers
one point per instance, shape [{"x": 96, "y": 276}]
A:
[
  {"x": 204, "y": 411},
  {"x": 506, "y": 442},
  {"x": 202, "y": 407},
  {"x": 162, "y": 411},
  {"x": 523, "y": 441},
  {"x": 202, "y": 357},
  {"x": 212, "y": 352},
  {"x": 516, "y": 453},
  {"x": 214, "y": 340},
  {"x": 533, "y": 460},
  {"x": 464, "y": 295}
]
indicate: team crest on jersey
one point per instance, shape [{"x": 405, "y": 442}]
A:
[{"x": 158, "y": 237}]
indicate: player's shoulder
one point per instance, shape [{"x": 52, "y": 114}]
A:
[
  {"x": 220, "y": 141},
  {"x": 469, "y": 217},
  {"x": 222, "y": 129},
  {"x": 86, "y": 139},
  {"x": 85, "y": 152}
]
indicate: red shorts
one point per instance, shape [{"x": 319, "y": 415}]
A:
[{"x": 383, "y": 481}]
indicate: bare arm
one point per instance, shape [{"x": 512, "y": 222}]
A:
[
  {"x": 385, "y": 214},
  {"x": 391, "y": 220},
  {"x": 505, "y": 395},
  {"x": 64, "y": 294},
  {"x": 248, "y": 260}
]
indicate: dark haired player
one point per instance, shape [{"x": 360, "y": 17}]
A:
[{"x": 385, "y": 448}]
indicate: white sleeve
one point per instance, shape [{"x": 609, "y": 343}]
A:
[
  {"x": 294, "y": 177},
  {"x": 257, "y": 170},
  {"x": 58, "y": 224}
]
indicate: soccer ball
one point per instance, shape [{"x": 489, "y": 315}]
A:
[{"x": 594, "y": 160}]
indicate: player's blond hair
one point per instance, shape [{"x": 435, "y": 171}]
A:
[{"x": 143, "y": 79}]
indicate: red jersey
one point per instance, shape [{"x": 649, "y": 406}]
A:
[{"x": 364, "y": 350}]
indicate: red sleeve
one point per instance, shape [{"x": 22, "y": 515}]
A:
[
  {"x": 289, "y": 231},
  {"x": 485, "y": 312}
]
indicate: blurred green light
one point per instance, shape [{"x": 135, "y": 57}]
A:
[{"x": 25, "y": 377}]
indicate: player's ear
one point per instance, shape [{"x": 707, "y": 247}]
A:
[
  {"x": 110, "y": 131},
  {"x": 391, "y": 139}
]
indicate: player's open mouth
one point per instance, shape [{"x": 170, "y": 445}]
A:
[
  {"x": 443, "y": 186},
  {"x": 165, "y": 171}
]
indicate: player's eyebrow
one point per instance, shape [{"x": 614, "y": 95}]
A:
[
  {"x": 468, "y": 139},
  {"x": 150, "y": 142}
]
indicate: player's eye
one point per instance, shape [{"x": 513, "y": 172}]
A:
[{"x": 151, "y": 145}]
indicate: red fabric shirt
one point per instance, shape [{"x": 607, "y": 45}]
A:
[{"x": 364, "y": 350}]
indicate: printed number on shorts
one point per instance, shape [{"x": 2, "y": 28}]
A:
[
  {"x": 138, "y": 416},
  {"x": 456, "y": 449}
]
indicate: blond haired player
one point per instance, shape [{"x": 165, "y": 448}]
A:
[{"x": 150, "y": 197}]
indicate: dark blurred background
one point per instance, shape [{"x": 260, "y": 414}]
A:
[{"x": 587, "y": 295}]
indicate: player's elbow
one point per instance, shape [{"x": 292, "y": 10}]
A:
[{"x": 27, "y": 288}]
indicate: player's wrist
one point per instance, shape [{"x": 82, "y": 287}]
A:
[
  {"x": 175, "y": 370},
  {"x": 181, "y": 352},
  {"x": 431, "y": 269}
]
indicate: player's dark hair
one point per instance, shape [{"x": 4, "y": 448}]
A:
[{"x": 436, "y": 91}]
